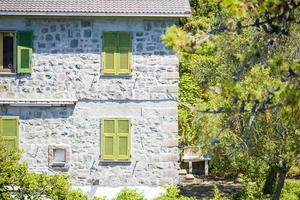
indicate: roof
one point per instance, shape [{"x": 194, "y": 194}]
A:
[{"x": 151, "y": 8}]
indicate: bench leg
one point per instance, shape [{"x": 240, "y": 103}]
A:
[
  {"x": 190, "y": 167},
  {"x": 206, "y": 167}
]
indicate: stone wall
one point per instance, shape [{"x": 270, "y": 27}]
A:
[
  {"x": 67, "y": 57},
  {"x": 67, "y": 64}
]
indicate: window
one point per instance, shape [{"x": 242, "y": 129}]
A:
[
  {"x": 9, "y": 131},
  {"x": 7, "y": 52},
  {"x": 116, "y": 53},
  {"x": 15, "y": 51},
  {"x": 59, "y": 156},
  {"x": 115, "y": 141}
]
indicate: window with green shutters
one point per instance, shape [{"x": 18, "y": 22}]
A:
[
  {"x": 24, "y": 51},
  {"x": 115, "y": 140},
  {"x": 9, "y": 131},
  {"x": 116, "y": 53},
  {"x": 16, "y": 52}
]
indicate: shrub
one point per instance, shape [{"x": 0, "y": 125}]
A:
[
  {"x": 295, "y": 170},
  {"x": 291, "y": 190},
  {"x": 172, "y": 192},
  {"x": 130, "y": 194},
  {"x": 16, "y": 182},
  {"x": 217, "y": 194},
  {"x": 250, "y": 192}
]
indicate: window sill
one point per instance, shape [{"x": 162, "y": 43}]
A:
[
  {"x": 58, "y": 164},
  {"x": 115, "y": 161},
  {"x": 116, "y": 75},
  {"x": 8, "y": 73}
]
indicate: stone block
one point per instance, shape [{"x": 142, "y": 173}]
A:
[
  {"x": 85, "y": 23},
  {"x": 169, "y": 75},
  {"x": 189, "y": 177},
  {"x": 164, "y": 88},
  {"x": 87, "y": 33},
  {"x": 74, "y": 44},
  {"x": 157, "y": 89},
  {"x": 170, "y": 143},
  {"x": 170, "y": 173},
  {"x": 49, "y": 38},
  {"x": 169, "y": 127},
  {"x": 182, "y": 172},
  {"x": 166, "y": 157}
]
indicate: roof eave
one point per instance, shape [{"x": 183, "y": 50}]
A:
[{"x": 86, "y": 14}]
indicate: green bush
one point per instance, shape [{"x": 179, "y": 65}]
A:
[
  {"x": 217, "y": 194},
  {"x": 172, "y": 193},
  {"x": 295, "y": 170},
  {"x": 291, "y": 190},
  {"x": 250, "y": 192},
  {"x": 16, "y": 182},
  {"x": 130, "y": 194}
]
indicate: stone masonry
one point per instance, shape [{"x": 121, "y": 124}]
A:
[{"x": 67, "y": 64}]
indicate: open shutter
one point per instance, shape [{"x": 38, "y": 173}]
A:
[
  {"x": 24, "y": 49},
  {"x": 123, "y": 139},
  {"x": 1, "y": 51},
  {"x": 108, "y": 139},
  {"x": 9, "y": 129},
  {"x": 124, "y": 53},
  {"x": 109, "y": 53}
]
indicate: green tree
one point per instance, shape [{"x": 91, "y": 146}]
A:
[{"x": 244, "y": 60}]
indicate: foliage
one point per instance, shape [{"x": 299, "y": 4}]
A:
[
  {"x": 16, "y": 182},
  {"x": 172, "y": 192},
  {"x": 250, "y": 192},
  {"x": 295, "y": 170},
  {"x": 217, "y": 194},
  {"x": 130, "y": 194},
  {"x": 241, "y": 63},
  {"x": 291, "y": 191}
]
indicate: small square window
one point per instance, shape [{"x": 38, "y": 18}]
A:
[
  {"x": 59, "y": 155},
  {"x": 7, "y": 51}
]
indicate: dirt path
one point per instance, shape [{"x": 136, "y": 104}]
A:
[{"x": 203, "y": 189}]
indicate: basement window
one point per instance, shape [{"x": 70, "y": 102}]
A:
[
  {"x": 7, "y": 52},
  {"x": 59, "y": 157}
]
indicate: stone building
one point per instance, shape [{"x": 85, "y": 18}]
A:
[{"x": 87, "y": 88}]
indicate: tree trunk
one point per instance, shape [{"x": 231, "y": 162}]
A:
[
  {"x": 280, "y": 184},
  {"x": 269, "y": 185}
]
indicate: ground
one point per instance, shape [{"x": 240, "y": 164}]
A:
[{"x": 202, "y": 188}]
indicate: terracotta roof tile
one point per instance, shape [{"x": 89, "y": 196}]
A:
[{"x": 172, "y": 8}]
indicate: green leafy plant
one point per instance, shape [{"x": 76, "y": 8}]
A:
[
  {"x": 172, "y": 192},
  {"x": 129, "y": 194},
  {"x": 16, "y": 182},
  {"x": 217, "y": 194},
  {"x": 291, "y": 190},
  {"x": 295, "y": 170}
]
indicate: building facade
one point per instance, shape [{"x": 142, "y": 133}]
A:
[{"x": 94, "y": 97}]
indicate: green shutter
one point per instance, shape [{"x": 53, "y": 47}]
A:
[
  {"x": 9, "y": 131},
  {"x": 108, "y": 139},
  {"x": 109, "y": 53},
  {"x": 115, "y": 140},
  {"x": 123, "y": 139},
  {"x": 124, "y": 53},
  {"x": 24, "y": 51}
]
